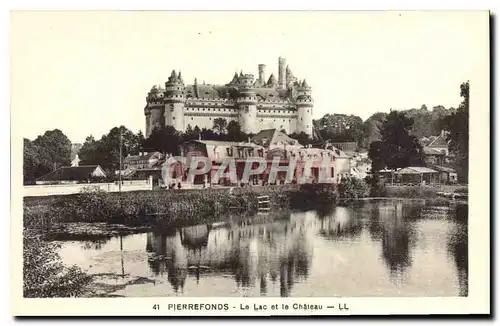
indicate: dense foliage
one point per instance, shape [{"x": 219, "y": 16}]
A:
[
  {"x": 457, "y": 124},
  {"x": 45, "y": 154},
  {"x": 44, "y": 275},
  {"x": 353, "y": 188},
  {"x": 397, "y": 147}
]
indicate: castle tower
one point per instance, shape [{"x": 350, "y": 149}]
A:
[
  {"x": 154, "y": 110},
  {"x": 147, "y": 114},
  {"x": 282, "y": 73},
  {"x": 262, "y": 74},
  {"x": 305, "y": 105},
  {"x": 174, "y": 101},
  {"x": 247, "y": 104}
]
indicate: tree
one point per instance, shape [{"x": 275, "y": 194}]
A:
[
  {"x": 139, "y": 142},
  {"x": 209, "y": 134},
  {"x": 88, "y": 152},
  {"x": 190, "y": 134},
  {"x": 166, "y": 140},
  {"x": 341, "y": 128},
  {"x": 36, "y": 162},
  {"x": 46, "y": 153},
  {"x": 397, "y": 148},
  {"x": 234, "y": 132},
  {"x": 371, "y": 128},
  {"x": 57, "y": 146},
  {"x": 106, "y": 151},
  {"x": 457, "y": 124},
  {"x": 220, "y": 125},
  {"x": 302, "y": 138}
]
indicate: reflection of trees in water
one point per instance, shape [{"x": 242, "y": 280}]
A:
[
  {"x": 94, "y": 244},
  {"x": 340, "y": 223},
  {"x": 458, "y": 247},
  {"x": 292, "y": 268},
  {"x": 395, "y": 234},
  {"x": 252, "y": 254}
]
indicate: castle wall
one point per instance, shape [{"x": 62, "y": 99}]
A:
[{"x": 263, "y": 116}]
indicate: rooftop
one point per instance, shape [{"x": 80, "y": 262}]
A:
[
  {"x": 71, "y": 173},
  {"x": 415, "y": 170},
  {"x": 225, "y": 143},
  {"x": 267, "y": 137}
]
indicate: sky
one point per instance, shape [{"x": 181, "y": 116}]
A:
[{"x": 87, "y": 72}]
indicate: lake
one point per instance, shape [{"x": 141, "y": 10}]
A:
[{"x": 369, "y": 248}]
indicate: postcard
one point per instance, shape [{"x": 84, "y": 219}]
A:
[{"x": 260, "y": 163}]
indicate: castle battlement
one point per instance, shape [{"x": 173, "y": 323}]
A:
[{"x": 281, "y": 103}]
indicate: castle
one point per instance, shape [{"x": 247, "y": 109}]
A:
[{"x": 283, "y": 104}]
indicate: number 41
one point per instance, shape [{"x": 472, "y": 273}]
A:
[{"x": 156, "y": 307}]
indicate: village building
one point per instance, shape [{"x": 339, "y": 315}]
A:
[
  {"x": 446, "y": 174},
  {"x": 73, "y": 174},
  {"x": 218, "y": 153},
  {"x": 413, "y": 175},
  {"x": 142, "y": 161}
]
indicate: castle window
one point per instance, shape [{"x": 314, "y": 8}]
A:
[
  {"x": 307, "y": 111},
  {"x": 191, "y": 118},
  {"x": 301, "y": 119},
  {"x": 173, "y": 118}
]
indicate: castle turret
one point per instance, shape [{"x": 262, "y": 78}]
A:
[
  {"x": 154, "y": 110},
  {"x": 304, "y": 103},
  {"x": 282, "y": 72},
  {"x": 262, "y": 74},
  {"x": 290, "y": 78},
  {"x": 175, "y": 101},
  {"x": 247, "y": 104},
  {"x": 272, "y": 82}
]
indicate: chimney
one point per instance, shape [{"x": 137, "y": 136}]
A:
[
  {"x": 262, "y": 74},
  {"x": 282, "y": 72}
]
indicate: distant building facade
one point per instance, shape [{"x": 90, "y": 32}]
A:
[
  {"x": 283, "y": 103},
  {"x": 143, "y": 160}
]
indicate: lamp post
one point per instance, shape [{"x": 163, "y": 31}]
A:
[{"x": 120, "y": 168}]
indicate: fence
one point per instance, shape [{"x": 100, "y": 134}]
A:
[{"x": 73, "y": 188}]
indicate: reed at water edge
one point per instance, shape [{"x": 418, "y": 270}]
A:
[{"x": 167, "y": 207}]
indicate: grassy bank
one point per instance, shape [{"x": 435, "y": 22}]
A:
[
  {"x": 426, "y": 192},
  {"x": 167, "y": 208}
]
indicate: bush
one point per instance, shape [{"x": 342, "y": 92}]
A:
[
  {"x": 377, "y": 185},
  {"x": 411, "y": 191},
  {"x": 353, "y": 188},
  {"x": 44, "y": 275}
]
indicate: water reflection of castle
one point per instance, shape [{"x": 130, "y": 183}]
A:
[
  {"x": 263, "y": 255},
  {"x": 254, "y": 253}
]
